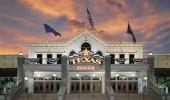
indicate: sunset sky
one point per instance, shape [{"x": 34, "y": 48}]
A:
[{"x": 21, "y": 21}]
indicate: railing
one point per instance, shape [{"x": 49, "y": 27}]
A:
[
  {"x": 128, "y": 61},
  {"x": 58, "y": 61},
  {"x": 110, "y": 93},
  {"x": 43, "y": 61}
]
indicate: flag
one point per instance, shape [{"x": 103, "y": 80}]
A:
[
  {"x": 129, "y": 31},
  {"x": 90, "y": 19},
  {"x": 48, "y": 29}
]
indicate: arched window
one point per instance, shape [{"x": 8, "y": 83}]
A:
[
  {"x": 99, "y": 53},
  {"x": 85, "y": 45},
  {"x": 72, "y": 53}
]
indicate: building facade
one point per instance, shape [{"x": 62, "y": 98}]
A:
[{"x": 85, "y": 64}]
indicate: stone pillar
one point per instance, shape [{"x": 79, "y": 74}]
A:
[
  {"x": 150, "y": 73},
  {"x": 68, "y": 85},
  {"x": 20, "y": 72},
  {"x": 44, "y": 60},
  {"x": 140, "y": 85},
  {"x": 107, "y": 71},
  {"x": 64, "y": 71},
  {"x": 29, "y": 84},
  {"x": 103, "y": 83},
  {"x": 127, "y": 56}
]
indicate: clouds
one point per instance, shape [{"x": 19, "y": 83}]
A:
[
  {"x": 22, "y": 21},
  {"x": 53, "y": 8}
]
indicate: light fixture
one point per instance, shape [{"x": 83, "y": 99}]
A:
[
  {"x": 94, "y": 74},
  {"x": 54, "y": 75},
  {"x": 117, "y": 75},
  {"x": 145, "y": 78},
  {"x": 77, "y": 75},
  {"x": 107, "y": 53},
  {"x": 20, "y": 53},
  {"x": 38, "y": 74},
  {"x": 64, "y": 53},
  {"x": 132, "y": 75},
  {"x": 150, "y": 53},
  {"x": 26, "y": 78}
]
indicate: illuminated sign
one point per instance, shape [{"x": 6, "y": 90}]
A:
[{"x": 86, "y": 60}]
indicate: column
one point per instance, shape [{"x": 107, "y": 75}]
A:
[
  {"x": 116, "y": 56},
  {"x": 107, "y": 70},
  {"x": 44, "y": 60},
  {"x": 20, "y": 72},
  {"x": 68, "y": 84},
  {"x": 54, "y": 86},
  {"x": 127, "y": 58},
  {"x": 103, "y": 83},
  {"x": 64, "y": 71},
  {"x": 29, "y": 83},
  {"x": 140, "y": 85},
  {"x": 150, "y": 72}
]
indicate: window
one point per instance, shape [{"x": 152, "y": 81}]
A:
[
  {"x": 122, "y": 57},
  {"x": 85, "y": 46},
  {"x": 49, "y": 56},
  {"x": 112, "y": 58},
  {"x": 59, "y": 58},
  {"x": 131, "y": 57},
  {"x": 99, "y": 53},
  {"x": 39, "y": 56},
  {"x": 72, "y": 53}
]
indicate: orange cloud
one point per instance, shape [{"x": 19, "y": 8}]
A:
[
  {"x": 113, "y": 26},
  {"x": 149, "y": 24},
  {"x": 54, "y": 8}
]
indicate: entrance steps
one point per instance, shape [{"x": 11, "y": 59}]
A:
[
  {"x": 38, "y": 97},
  {"x": 84, "y": 97},
  {"x": 105, "y": 97},
  {"x": 133, "y": 97}
]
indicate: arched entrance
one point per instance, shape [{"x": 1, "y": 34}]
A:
[{"x": 85, "y": 45}]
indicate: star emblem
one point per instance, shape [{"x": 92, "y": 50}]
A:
[{"x": 86, "y": 52}]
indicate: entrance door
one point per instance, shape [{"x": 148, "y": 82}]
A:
[{"x": 85, "y": 84}]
